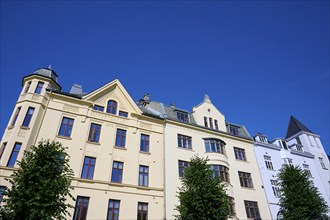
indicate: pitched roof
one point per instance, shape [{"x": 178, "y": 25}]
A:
[{"x": 295, "y": 126}]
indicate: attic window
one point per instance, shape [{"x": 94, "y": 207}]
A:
[
  {"x": 234, "y": 130},
  {"x": 182, "y": 116}
]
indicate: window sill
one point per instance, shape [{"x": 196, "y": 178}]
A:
[
  {"x": 25, "y": 128},
  {"x": 271, "y": 169},
  {"x": 243, "y": 187},
  {"x": 144, "y": 152},
  {"x": 182, "y": 148},
  {"x": 86, "y": 180},
  {"x": 64, "y": 137},
  {"x": 245, "y": 161},
  {"x": 95, "y": 143},
  {"x": 120, "y": 148}
]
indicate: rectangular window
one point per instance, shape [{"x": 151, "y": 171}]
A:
[
  {"x": 298, "y": 140},
  {"x": 306, "y": 168},
  {"x": 81, "y": 208},
  {"x": 94, "y": 133},
  {"x": 182, "y": 116},
  {"x": 15, "y": 116},
  {"x": 251, "y": 209},
  {"x": 211, "y": 123},
  {"x": 234, "y": 130},
  {"x": 245, "y": 179},
  {"x": 2, "y": 190},
  {"x": 284, "y": 145},
  {"x": 28, "y": 117},
  {"x": 88, "y": 168},
  {"x": 268, "y": 162},
  {"x": 14, "y": 154},
  {"x": 239, "y": 153},
  {"x": 113, "y": 209},
  {"x": 320, "y": 159},
  {"x": 117, "y": 172},
  {"x": 39, "y": 88},
  {"x": 66, "y": 127},
  {"x": 2, "y": 149},
  {"x": 205, "y": 122},
  {"x": 120, "y": 138},
  {"x": 123, "y": 114},
  {"x": 144, "y": 143},
  {"x": 142, "y": 213},
  {"x": 98, "y": 108},
  {"x": 184, "y": 141},
  {"x": 276, "y": 189},
  {"x": 220, "y": 171},
  {"x": 27, "y": 87},
  {"x": 216, "y": 125},
  {"x": 143, "y": 175},
  {"x": 182, "y": 165}
]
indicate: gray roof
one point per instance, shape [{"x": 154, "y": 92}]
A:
[{"x": 295, "y": 127}]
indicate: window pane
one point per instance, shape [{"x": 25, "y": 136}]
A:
[
  {"x": 28, "y": 117},
  {"x": 14, "y": 154}
]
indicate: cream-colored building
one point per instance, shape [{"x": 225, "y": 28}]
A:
[
  {"x": 228, "y": 146},
  {"x": 116, "y": 151}
]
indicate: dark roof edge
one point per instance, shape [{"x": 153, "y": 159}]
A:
[
  {"x": 64, "y": 93},
  {"x": 34, "y": 74}
]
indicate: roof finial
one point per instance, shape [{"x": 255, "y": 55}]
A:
[
  {"x": 50, "y": 66},
  {"x": 206, "y": 98}
]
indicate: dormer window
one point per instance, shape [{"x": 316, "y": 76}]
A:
[
  {"x": 182, "y": 116},
  {"x": 262, "y": 139},
  {"x": 211, "y": 123},
  {"x": 216, "y": 125},
  {"x": 205, "y": 122},
  {"x": 234, "y": 130},
  {"x": 112, "y": 107}
]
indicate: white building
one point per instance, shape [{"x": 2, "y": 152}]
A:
[{"x": 300, "y": 147}]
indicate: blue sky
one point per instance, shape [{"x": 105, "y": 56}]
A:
[{"x": 259, "y": 61}]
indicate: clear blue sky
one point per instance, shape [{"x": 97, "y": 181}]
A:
[{"x": 259, "y": 61}]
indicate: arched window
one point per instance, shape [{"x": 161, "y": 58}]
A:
[{"x": 112, "y": 107}]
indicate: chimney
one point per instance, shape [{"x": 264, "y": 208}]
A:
[{"x": 76, "y": 89}]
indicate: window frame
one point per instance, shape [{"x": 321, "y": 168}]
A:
[
  {"x": 184, "y": 141},
  {"x": 275, "y": 187},
  {"x": 67, "y": 128},
  {"x": 118, "y": 171},
  {"x": 142, "y": 211},
  {"x": 211, "y": 123},
  {"x": 79, "y": 208},
  {"x": 98, "y": 108},
  {"x": 2, "y": 190},
  {"x": 220, "y": 171},
  {"x": 2, "y": 148},
  {"x": 268, "y": 162},
  {"x": 112, "y": 106},
  {"x": 39, "y": 87},
  {"x": 216, "y": 125},
  {"x": 28, "y": 117},
  {"x": 217, "y": 144},
  {"x": 240, "y": 154},
  {"x": 18, "y": 110},
  {"x": 249, "y": 206},
  {"x": 123, "y": 114},
  {"x": 245, "y": 179},
  {"x": 143, "y": 175},
  {"x": 14, "y": 154},
  {"x": 112, "y": 209},
  {"x": 94, "y": 133},
  {"x": 120, "y": 140},
  {"x": 88, "y": 168},
  {"x": 27, "y": 88},
  {"x": 145, "y": 143},
  {"x": 182, "y": 164}
]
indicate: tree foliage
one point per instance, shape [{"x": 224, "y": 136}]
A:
[
  {"x": 299, "y": 198},
  {"x": 41, "y": 185},
  {"x": 201, "y": 196}
]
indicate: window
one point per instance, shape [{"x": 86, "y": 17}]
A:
[
  {"x": 262, "y": 139},
  {"x": 143, "y": 175},
  {"x": 205, "y": 122},
  {"x": 144, "y": 143},
  {"x": 142, "y": 211},
  {"x": 320, "y": 159},
  {"x": 39, "y": 88},
  {"x": 182, "y": 165},
  {"x": 298, "y": 140},
  {"x": 245, "y": 179},
  {"x": 88, "y": 168},
  {"x": 15, "y": 116},
  {"x": 299, "y": 147},
  {"x": 234, "y": 130},
  {"x": 251, "y": 209},
  {"x": 239, "y": 153},
  {"x": 268, "y": 162},
  {"x": 94, "y": 133},
  {"x": 211, "y": 123},
  {"x": 214, "y": 145},
  {"x": 284, "y": 145},
  {"x": 66, "y": 127},
  {"x": 184, "y": 141},
  {"x": 306, "y": 168},
  {"x": 276, "y": 189},
  {"x": 231, "y": 205},
  {"x": 123, "y": 114},
  {"x": 2, "y": 149},
  {"x": 27, "y": 87},
  {"x": 120, "y": 138},
  {"x": 98, "y": 108},
  {"x": 28, "y": 117},
  {"x": 182, "y": 116},
  {"x": 112, "y": 107},
  {"x": 2, "y": 190},
  {"x": 14, "y": 154},
  {"x": 113, "y": 209},
  {"x": 80, "y": 210},
  {"x": 220, "y": 171},
  {"x": 117, "y": 172},
  {"x": 216, "y": 125}
]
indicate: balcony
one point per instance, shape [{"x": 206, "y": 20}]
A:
[{"x": 298, "y": 149}]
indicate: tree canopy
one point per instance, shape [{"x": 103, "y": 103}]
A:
[
  {"x": 40, "y": 187},
  {"x": 201, "y": 195},
  {"x": 299, "y": 198}
]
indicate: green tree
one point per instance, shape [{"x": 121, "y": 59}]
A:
[
  {"x": 41, "y": 185},
  {"x": 299, "y": 198},
  {"x": 201, "y": 195}
]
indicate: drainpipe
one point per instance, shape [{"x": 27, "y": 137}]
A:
[{"x": 164, "y": 126}]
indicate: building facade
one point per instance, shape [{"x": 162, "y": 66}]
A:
[
  {"x": 300, "y": 147},
  {"x": 229, "y": 148},
  {"x": 116, "y": 151}
]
